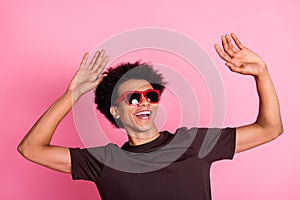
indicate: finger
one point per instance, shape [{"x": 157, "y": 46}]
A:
[
  {"x": 231, "y": 46},
  {"x": 234, "y": 68},
  {"x": 102, "y": 65},
  {"x": 222, "y": 55},
  {"x": 231, "y": 66},
  {"x": 101, "y": 62},
  {"x": 226, "y": 46},
  {"x": 237, "y": 41},
  {"x": 98, "y": 60},
  {"x": 84, "y": 59},
  {"x": 100, "y": 79},
  {"x": 93, "y": 60}
]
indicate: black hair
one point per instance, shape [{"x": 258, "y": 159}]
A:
[{"x": 107, "y": 91}]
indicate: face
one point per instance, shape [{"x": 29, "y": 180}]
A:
[{"x": 139, "y": 117}]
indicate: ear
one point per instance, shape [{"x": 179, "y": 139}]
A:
[{"x": 114, "y": 112}]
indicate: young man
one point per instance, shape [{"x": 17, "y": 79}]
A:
[{"x": 152, "y": 164}]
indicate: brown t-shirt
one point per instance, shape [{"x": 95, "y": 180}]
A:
[{"x": 173, "y": 166}]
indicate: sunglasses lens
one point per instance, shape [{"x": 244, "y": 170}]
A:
[
  {"x": 152, "y": 96},
  {"x": 134, "y": 98}
]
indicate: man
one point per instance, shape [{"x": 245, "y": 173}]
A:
[{"x": 152, "y": 164}]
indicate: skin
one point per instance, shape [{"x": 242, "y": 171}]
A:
[
  {"x": 139, "y": 131},
  {"x": 268, "y": 124},
  {"x": 36, "y": 145}
]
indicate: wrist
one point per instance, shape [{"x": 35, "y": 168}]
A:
[
  {"x": 72, "y": 95},
  {"x": 262, "y": 72}
]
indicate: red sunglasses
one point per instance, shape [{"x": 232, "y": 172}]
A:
[{"x": 135, "y": 97}]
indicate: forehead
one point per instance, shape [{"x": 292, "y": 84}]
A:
[{"x": 134, "y": 84}]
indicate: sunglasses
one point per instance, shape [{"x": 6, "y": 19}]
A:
[{"x": 135, "y": 97}]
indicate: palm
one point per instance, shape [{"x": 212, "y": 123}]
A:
[{"x": 87, "y": 78}]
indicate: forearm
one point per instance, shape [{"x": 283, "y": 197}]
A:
[
  {"x": 268, "y": 124},
  {"x": 269, "y": 117},
  {"x": 85, "y": 79},
  {"x": 36, "y": 144},
  {"x": 41, "y": 133}
]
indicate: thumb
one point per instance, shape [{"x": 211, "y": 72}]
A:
[{"x": 234, "y": 68}]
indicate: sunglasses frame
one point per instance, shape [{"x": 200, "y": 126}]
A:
[{"x": 142, "y": 93}]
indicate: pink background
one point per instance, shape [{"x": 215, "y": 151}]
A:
[{"x": 42, "y": 43}]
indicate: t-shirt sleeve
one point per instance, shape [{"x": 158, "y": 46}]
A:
[
  {"x": 218, "y": 144},
  {"x": 84, "y": 165}
]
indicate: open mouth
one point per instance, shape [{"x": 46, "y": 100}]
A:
[{"x": 145, "y": 114}]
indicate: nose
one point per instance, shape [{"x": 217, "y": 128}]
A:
[{"x": 144, "y": 101}]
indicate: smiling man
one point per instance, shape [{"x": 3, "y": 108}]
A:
[
  {"x": 153, "y": 164},
  {"x": 128, "y": 96}
]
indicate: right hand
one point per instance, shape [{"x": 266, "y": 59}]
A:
[{"x": 87, "y": 78}]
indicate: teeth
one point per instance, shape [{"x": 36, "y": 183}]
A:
[{"x": 143, "y": 113}]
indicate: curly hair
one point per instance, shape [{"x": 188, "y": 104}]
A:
[{"x": 107, "y": 91}]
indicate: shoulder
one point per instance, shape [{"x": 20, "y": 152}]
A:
[
  {"x": 205, "y": 139},
  {"x": 202, "y": 132}
]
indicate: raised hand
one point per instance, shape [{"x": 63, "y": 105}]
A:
[
  {"x": 239, "y": 58},
  {"x": 88, "y": 77},
  {"x": 268, "y": 125},
  {"x": 36, "y": 146}
]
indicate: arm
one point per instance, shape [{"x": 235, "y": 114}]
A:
[
  {"x": 268, "y": 125},
  {"x": 35, "y": 146}
]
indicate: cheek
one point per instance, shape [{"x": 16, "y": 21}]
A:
[
  {"x": 125, "y": 112},
  {"x": 154, "y": 110}
]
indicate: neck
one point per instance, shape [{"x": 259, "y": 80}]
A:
[{"x": 142, "y": 138}]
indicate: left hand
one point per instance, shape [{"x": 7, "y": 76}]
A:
[{"x": 239, "y": 58}]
